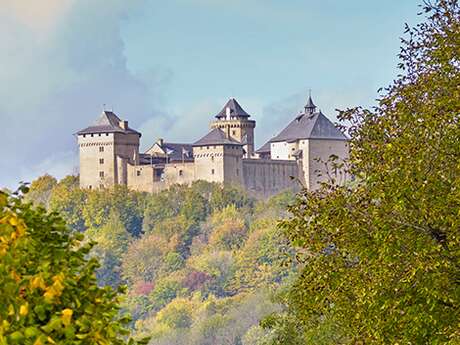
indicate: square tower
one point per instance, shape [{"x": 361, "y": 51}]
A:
[
  {"x": 106, "y": 148},
  {"x": 218, "y": 159}
]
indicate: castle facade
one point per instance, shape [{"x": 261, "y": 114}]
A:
[{"x": 109, "y": 154}]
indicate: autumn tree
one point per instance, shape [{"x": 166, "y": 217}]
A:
[
  {"x": 48, "y": 290},
  {"x": 40, "y": 190},
  {"x": 68, "y": 200},
  {"x": 112, "y": 240},
  {"x": 381, "y": 257}
]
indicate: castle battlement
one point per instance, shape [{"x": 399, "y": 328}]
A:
[{"x": 109, "y": 154}]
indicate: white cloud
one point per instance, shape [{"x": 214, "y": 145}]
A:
[
  {"x": 38, "y": 15},
  {"x": 62, "y": 60}
]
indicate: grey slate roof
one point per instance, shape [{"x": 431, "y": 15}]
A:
[
  {"x": 216, "y": 137},
  {"x": 264, "y": 148},
  {"x": 309, "y": 126},
  {"x": 107, "y": 122},
  {"x": 174, "y": 151},
  {"x": 235, "y": 110}
]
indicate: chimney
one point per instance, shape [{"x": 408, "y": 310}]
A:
[
  {"x": 124, "y": 124},
  {"x": 228, "y": 111},
  {"x": 160, "y": 141}
]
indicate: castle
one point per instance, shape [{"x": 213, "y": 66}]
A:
[{"x": 109, "y": 154}]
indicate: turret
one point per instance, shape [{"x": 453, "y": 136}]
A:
[{"x": 234, "y": 121}]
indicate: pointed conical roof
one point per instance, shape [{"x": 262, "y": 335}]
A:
[
  {"x": 310, "y": 107},
  {"x": 232, "y": 109},
  {"x": 216, "y": 137},
  {"x": 107, "y": 122}
]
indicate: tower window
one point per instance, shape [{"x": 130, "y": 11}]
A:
[
  {"x": 101, "y": 148},
  {"x": 212, "y": 171},
  {"x": 181, "y": 173},
  {"x": 101, "y": 174},
  {"x": 233, "y": 132},
  {"x": 92, "y": 135},
  {"x": 212, "y": 158},
  {"x": 101, "y": 160},
  {"x": 138, "y": 173}
]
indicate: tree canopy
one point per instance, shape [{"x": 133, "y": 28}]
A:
[
  {"x": 381, "y": 256},
  {"x": 48, "y": 289}
]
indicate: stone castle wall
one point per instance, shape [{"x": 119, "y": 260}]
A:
[
  {"x": 318, "y": 151},
  {"x": 265, "y": 177}
]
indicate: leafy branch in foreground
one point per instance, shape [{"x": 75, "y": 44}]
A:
[{"x": 48, "y": 288}]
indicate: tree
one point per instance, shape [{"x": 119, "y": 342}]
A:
[
  {"x": 228, "y": 229},
  {"x": 218, "y": 265},
  {"x": 48, "y": 290},
  {"x": 112, "y": 241},
  {"x": 143, "y": 260},
  {"x": 68, "y": 200},
  {"x": 40, "y": 190},
  {"x": 381, "y": 258},
  {"x": 128, "y": 204}
]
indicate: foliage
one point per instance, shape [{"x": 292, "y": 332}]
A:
[
  {"x": 196, "y": 243},
  {"x": 40, "y": 190},
  {"x": 128, "y": 204},
  {"x": 48, "y": 291},
  {"x": 229, "y": 229},
  {"x": 68, "y": 200},
  {"x": 381, "y": 258},
  {"x": 143, "y": 259},
  {"x": 112, "y": 242}
]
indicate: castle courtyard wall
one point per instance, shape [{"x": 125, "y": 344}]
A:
[{"x": 265, "y": 177}]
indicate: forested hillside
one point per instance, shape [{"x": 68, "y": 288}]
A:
[{"x": 200, "y": 262}]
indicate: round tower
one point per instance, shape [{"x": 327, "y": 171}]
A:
[{"x": 235, "y": 123}]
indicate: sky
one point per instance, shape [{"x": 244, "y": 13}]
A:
[{"x": 169, "y": 66}]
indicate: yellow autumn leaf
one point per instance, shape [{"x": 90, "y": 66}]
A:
[
  {"x": 24, "y": 309},
  {"x": 38, "y": 342},
  {"x": 49, "y": 295},
  {"x": 38, "y": 282},
  {"x": 66, "y": 316},
  {"x": 13, "y": 220},
  {"x": 15, "y": 276}
]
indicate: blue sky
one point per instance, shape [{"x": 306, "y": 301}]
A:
[{"x": 169, "y": 66}]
